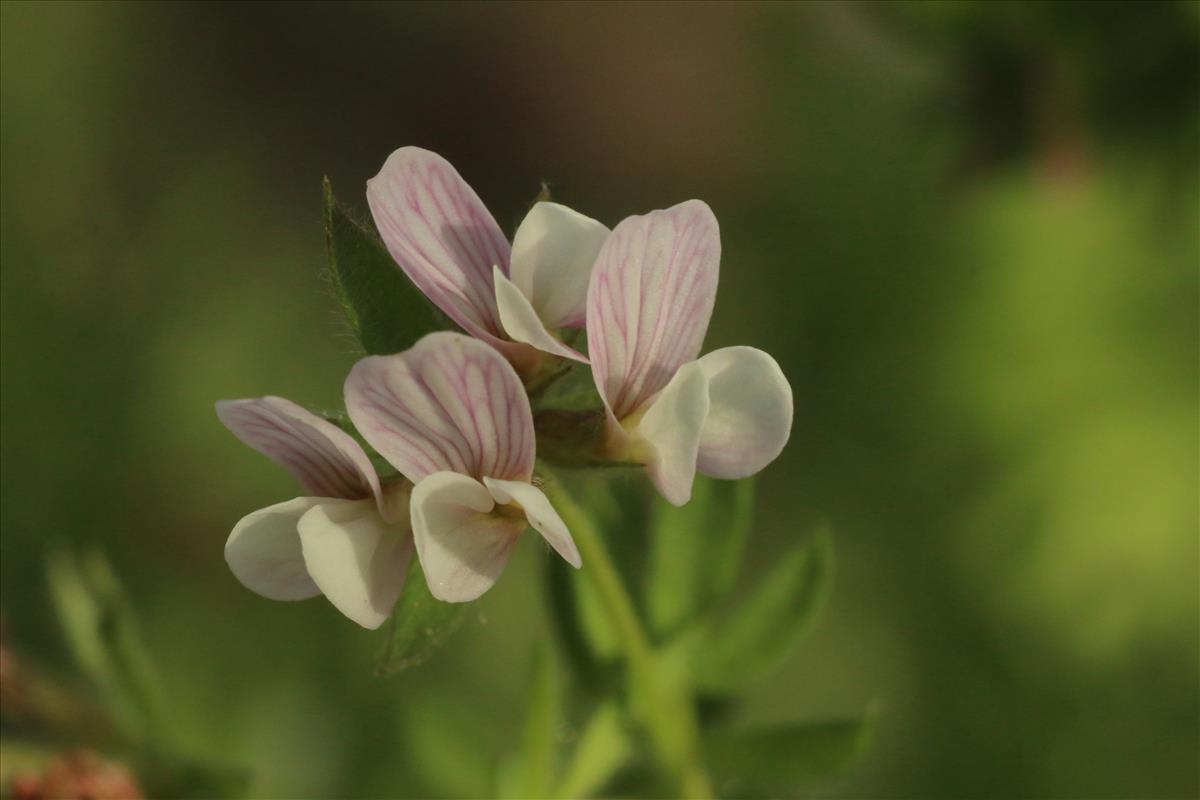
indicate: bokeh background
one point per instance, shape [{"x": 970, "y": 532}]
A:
[{"x": 968, "y": 231}]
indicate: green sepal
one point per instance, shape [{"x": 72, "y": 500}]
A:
[
  {"x": 764, "y": 627},
  {"x": 419, "y": 625},
  {"x": 383, "y": 308}
]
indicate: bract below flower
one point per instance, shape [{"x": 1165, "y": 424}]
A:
[
  {"x": 727, "y": 414},
  {"x": 452, "y": 416},
  {"x": 349, "y": 539},
  {"x": 442, "y": 236}
]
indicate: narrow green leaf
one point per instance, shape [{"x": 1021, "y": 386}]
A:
[
  {"x": 780, "y": 760},
  {"x": 769, "y": 623},
  {"x": 420, "y": 624},
  {"x": 103, "y": 635},
  {"x": 604, "y": 748},
  {"x": 696, "y": 551},
  {"x": 385, "y": 311},
  {"x": 537, "y": 762}
]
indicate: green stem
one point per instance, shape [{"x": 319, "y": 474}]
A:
[{"x": 666, "y": 710}]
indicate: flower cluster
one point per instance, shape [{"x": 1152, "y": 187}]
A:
[{"x": 452, "y": 414}]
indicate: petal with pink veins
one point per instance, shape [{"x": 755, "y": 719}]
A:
[
  {"x": 649, "y": 302},
  {"x": 750, "y": 412},
  {"x": 321, "y": 456},
  {"x": 442, "y": 236},
  {"x": 449, "y": 403}
]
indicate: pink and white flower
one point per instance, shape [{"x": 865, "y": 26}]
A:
[
  {"x": 348, "y": 538},
  {"x": 727, "y": 414},
  {"x": 452, "y": 416},
  {"x": 442, "y": 236}
]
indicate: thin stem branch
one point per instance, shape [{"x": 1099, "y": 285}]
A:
[{"x": 666, "y": 710}]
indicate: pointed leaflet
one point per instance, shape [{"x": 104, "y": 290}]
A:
[
  {"x": 695, "y": 552},
  {"x": 781, "y": 760},
  {"x": 649, "y": 301},
  {"x": 450, "y": 403},
  {"x": 768, "y": 623},
  {"x": 420, "y": 624},
  {"x": 384, "y": 309}
]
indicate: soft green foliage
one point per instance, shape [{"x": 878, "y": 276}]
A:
[
  {"x": 383, "y": 308},
  {"x": 603, "y": 748},
  {"x": 531, "y": 774},
  {"x": 771, "y": 620},
  {"x": 419, "y": 625},
  {"x": 696, "y": 551},
  {"x": 764, "y": 762},
  {"x": 102, "y": 632}
]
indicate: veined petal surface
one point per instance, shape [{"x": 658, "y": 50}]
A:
[
  {"x": 442, "y": 236},
  {"x": 449, "y": 403},
  {"x": 750, "y": 412},
  {"x": 356, "y": 559},
  {"x": 649, "y": 301},
  {"x": 673, "y": 425},
  {"x": 541, "y": 515},
  {"x": 462, "y": 546},
  {"x": 553, "y": 252},
  {"x": 263, "y": 551},
  {"x": 321, "y": 456},
  {"x": 522, "y": 323}
]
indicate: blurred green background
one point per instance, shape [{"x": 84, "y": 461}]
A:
[{"x": 968, "y": 232}]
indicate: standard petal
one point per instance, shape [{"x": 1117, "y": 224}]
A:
[
  {"x": 522, "y": 323},
  {"x": 541, "y": 515},
  {"x": 356, "y": 559},
  {"x": 449, "y": 402},
  {"x": 553, "y": 252},
  {"x": 321, "y": 456},
  {"x": 672, "y": 426},
  {"x": 463, "y": 547},
  {"x": 650, "y": 300},
  {"x": 264, "y": 552},
  {"x": 441, "y": 235},
  {"x": 750, "y": 412}
]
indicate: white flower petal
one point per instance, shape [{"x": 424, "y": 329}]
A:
[
  {"x": 321, "y": 456},
  {"x": 356, "y": 559},
  {"x": 263, "y": 551},
  {"x": 449, "y": 403},
  {"x": 462, "y": 547},
  {"x": 522, "y": 323},
  {"x": 553, "y": 252},
  {"x": 650, "y": 300},
  {"x": 541, "y": 515},
  {"x": 441, "y": 235},
  {"x": 672, "y": 425},
  {"x": 750, "y": 412}
]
